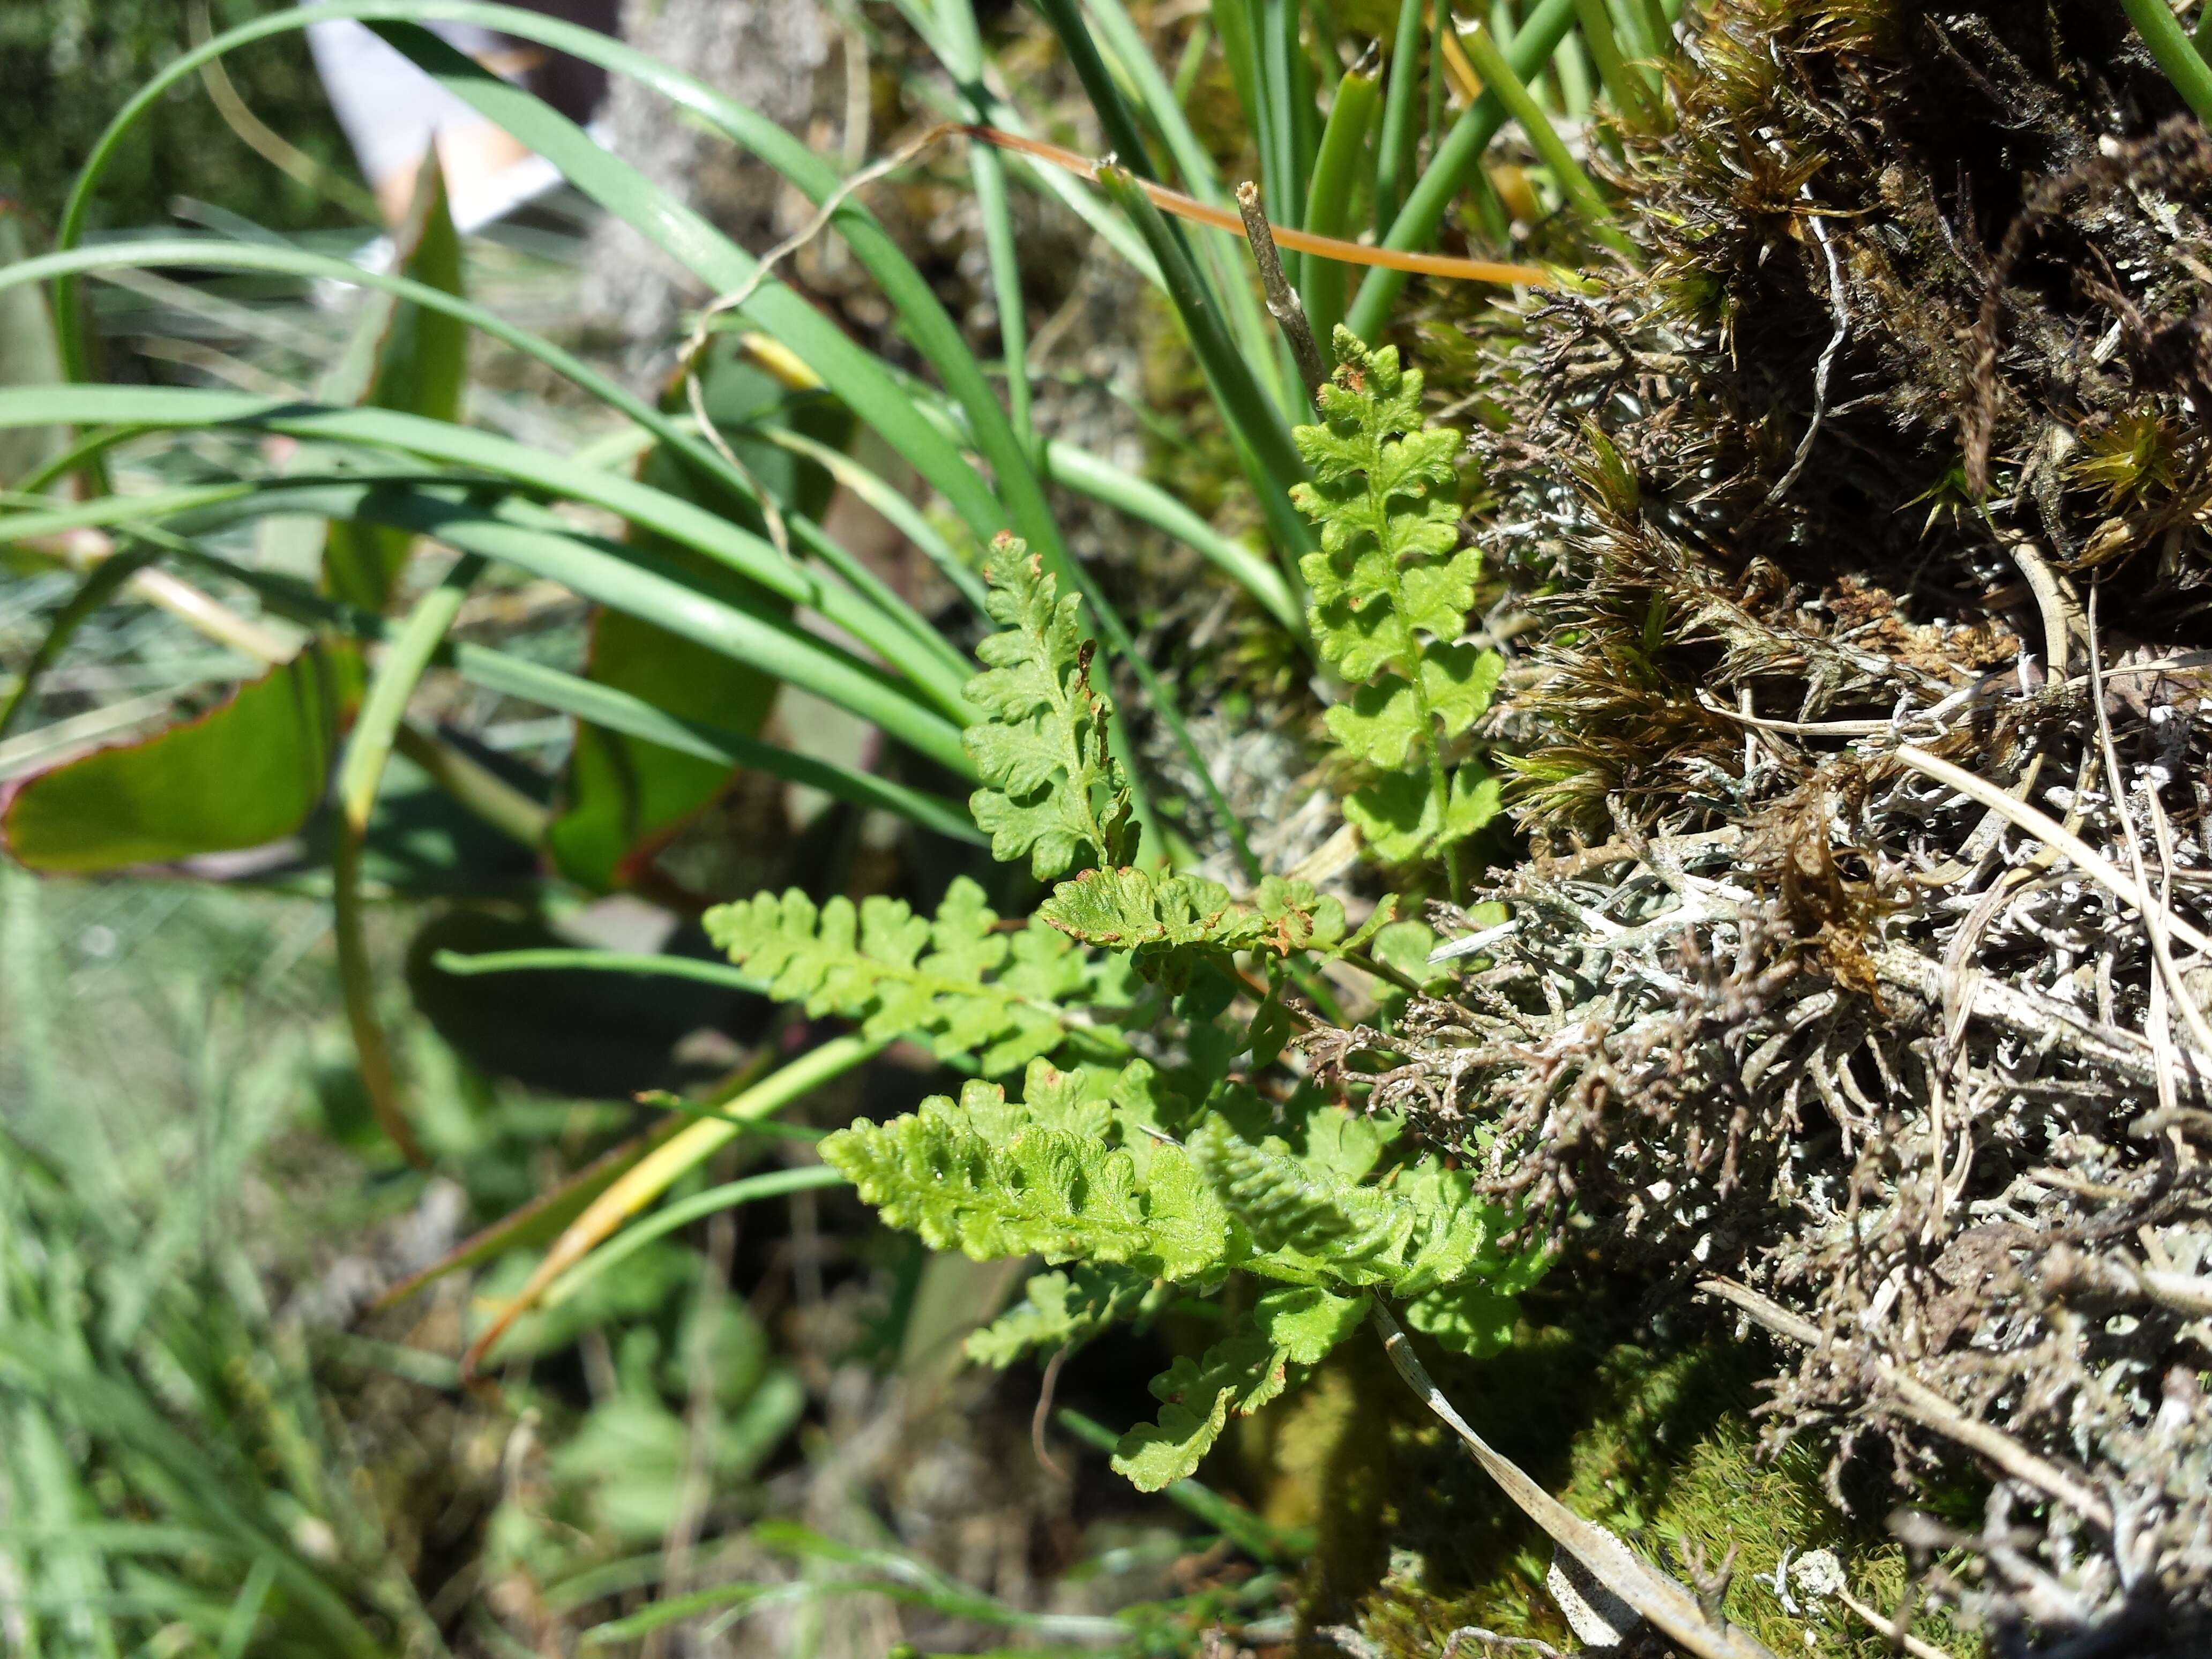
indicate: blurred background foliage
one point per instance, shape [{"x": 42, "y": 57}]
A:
[{"x": 63, "y": 65}]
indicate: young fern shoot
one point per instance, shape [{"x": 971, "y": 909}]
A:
[{"x": 1391, "y": 589}]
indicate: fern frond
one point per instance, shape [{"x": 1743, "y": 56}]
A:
[
  {"x": 1051, "y": 789},
  {"x": 1390, "y": 590},
  {"x": 980, "y": 1175},
  {"x": 1063, "y": 1311},
  {"x": 1289, "y": 1331},
  {"x": 1164, "y": 920},
  {"x": 955, "y": 981},
  {"x": 1309, "y": 1223}
]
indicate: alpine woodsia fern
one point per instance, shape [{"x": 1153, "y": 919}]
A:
[{"x": 1133, "y": 1123}]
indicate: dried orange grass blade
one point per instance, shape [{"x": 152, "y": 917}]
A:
[{"x": 1328, "y": 247}]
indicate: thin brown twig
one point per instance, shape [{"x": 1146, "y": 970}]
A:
[
  {"x": 1930, "y": 1409},
  {"x": 1283, "y": 302},
  {"x": 1912, "y": 1645}
]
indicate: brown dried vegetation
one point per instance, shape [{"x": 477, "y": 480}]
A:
[{"x": 1892, "y": 461}]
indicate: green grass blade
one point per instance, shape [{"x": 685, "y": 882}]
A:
[
  {"x": 846, "y": 367},
  {"x": 1194, "y": 166},
  {"x": 1240, "y": 51},
  {"x": 2174, "y": 52},
  {"x": 106, "y": 581},
  {"x": 656, "y": 510},
  {"x": 1622, "y": 84},
  {"x": 1282, "y": 170},
  {"x": 1328, "y": 200},
  {"x": 609, "y": 962},
  {"x": 406, "y": 659},
  {"x": 1249, "y": 415},
  {"x": 676, "y": 434},
  {"x": 960, "y": 47},
  {"x": 1146, "y": 502},
  {"x": 1394, "y": 156},
  {"x": 776, "y": 1184},
  {"x": 1200, "y": 179},
  {"x": 1122, "y": 133},
  {"x": 1458, "y": 155},
  {"x": 877, "y": 495},
  {"x": 1258, "y": 428},
  {"x": 1499, "y": 77},
  {"x": 620, "y": 711},
  {"x": 534, "y": 540}
]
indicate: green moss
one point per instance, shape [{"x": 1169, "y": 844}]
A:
[{"x": 1417, "y": 1542}]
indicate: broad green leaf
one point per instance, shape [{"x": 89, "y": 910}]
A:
[{"x": 247, "y": 772}]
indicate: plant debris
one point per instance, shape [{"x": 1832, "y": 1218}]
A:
[{"x": 1888, "y": 473}]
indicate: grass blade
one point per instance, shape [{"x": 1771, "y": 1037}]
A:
[
  {"x": 625, "y": 579},
  {"x": 1394, "y": 156},
  {"x": 2174, "y": 52},
  {"x": 1263, "y": 439},
  {"x": 106, "y": 581},
  {"x": 1146, "y": 502},
  {"x": 654, "y": 1173},
  {"x": 849, "y": 370},
  {"x": 621, "y": 711},
  {"x": 1328, "y": 200},
  {"x": 1416, "y": 226},
  {"x": 961, "y": 50},
  {"x": 359, "y": 773},
  {"x": 678, "y": 519},
  {"x": 1622, "y": 84},
  {"x": 1499, "y": 79},
  {"x": 776, "y": 1184}
]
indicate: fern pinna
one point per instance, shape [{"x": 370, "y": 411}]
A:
[{"x": 1154, "y": 1142}]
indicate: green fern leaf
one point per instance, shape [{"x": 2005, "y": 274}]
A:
[
  {"x": 1051, "y": 788},
  {"x": 1063, "y": 1311},
  {"x": 980, "y": 1174},
  {"x": 1312, "y": 1222},
  {"x": 956, "y": 982},
  {"x": 1164, "y": 920},
  {"x": 945, "y": 1174},
  {"x": 1289, "y": 1331},
  {"x": 1390, "y": 591}
]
